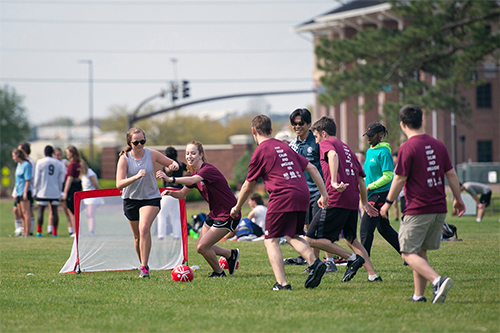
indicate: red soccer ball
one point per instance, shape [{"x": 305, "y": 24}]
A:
[
  {"x": 182, "y": 273},
  {"x": 223, "y": 263}
]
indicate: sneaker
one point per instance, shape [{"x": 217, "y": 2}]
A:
[
  {"x": 222, "y": 274},
  {"x": 441, "y": 289},
  {"x": 278, "y": 286},
  {"x": 38, "y": 234},
  {"x": 54, "y": 235},
  {"x": 352, "y": 268},
  {"x": 73, "y": 235},
  {"x": 316, "y": 271},
  {"x": 377, "y": 279},
  {"x": 339, "y": 261},
  {"x": 330, "y": 267},
  {"x": 231, "y": 262},
  {"x": 144, "y": 272},
  {"x": 421, "y": 299},
  {"x": 307, "y": 270}
]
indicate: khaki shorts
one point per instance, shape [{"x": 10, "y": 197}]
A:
[{"x": 421, "y": 232}]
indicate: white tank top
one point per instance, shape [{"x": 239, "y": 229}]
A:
[{"x": 145, "y": 188}]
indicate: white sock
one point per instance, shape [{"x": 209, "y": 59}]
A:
[
  {"x": 478, "y": 220},
  {"x": 329, "y": 259},
  {"x": 70, "y": 230},
  {"x": 352, "y": 257},
  {"x": 372, "y": 277},
  {"x": 436, "y": 281},
  {"x": 18, "y": 223},
  {"x": 50, "y": 228},
  {"x": 416, "y": 298}
]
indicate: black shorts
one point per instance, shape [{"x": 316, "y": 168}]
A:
[
  {"x": 131, "y": 207},
  {"x": 485, "y": 199},
  {"x": 313, "y": 208},
  {"x": 20, "y": 198},
  {"x": 229, "y": 224},
  {"x": 329, "y": 222}
]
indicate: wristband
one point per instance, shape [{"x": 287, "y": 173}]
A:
[
  {"x": 389, "y": 201},
  {"x": 173, "y": 180}
]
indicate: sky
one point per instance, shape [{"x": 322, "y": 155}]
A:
[{"x": 138, "y": 47}]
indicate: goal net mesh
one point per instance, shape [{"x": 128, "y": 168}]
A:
[{"x": 107, "y": 242}]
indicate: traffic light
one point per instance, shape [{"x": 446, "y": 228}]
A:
[
  {"x": 174, "y": 90},
  {"x": 185, "y": 89}
]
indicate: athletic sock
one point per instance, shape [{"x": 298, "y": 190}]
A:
[
  {"x": 32, "y": 226},
  {"x": 372, "y": 277},
  {"x": 436, "y": 281},
  {"x": 478, "y": 220},
  {"x": 49, "y": 229},
  {"x": 54, "y": 231},
  {"x": 18, "y": 223},
  {"x": 417, "y": 298},
  {"x": 71, "y": 230},
  {"x": 352, "y": 257},
  {"x": 329, "y": 259},
  {"x": 39, "y": 229}
]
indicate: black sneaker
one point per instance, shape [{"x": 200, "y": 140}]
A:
[
  {"x": 278, "y": 286},
  {"x": 377, "y": 279},
  {"x": 441, "y": 289},
  {"x": 316, "y": 271},
  {"x": 222, "y": 274},
  {"x": 421, "y": 299},
  {"x": 352, "y": 268},
  {"x": 231, "y": 262}
]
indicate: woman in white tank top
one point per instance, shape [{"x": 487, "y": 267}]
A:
[{"x": 135, "y": 174}]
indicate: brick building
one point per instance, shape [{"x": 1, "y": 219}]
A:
[{"x": 479, "y": 142}]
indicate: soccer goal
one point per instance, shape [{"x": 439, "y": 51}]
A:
[{"x": 104, "y": 239}]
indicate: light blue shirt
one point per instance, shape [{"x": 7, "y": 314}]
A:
[{"x": 23, "y": 174}]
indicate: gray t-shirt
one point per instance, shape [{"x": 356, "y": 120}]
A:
[
  {"x": 475, "y": 188},
  {"x": 145, "y": 188}
]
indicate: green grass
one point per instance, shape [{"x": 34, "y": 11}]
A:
[{"x": 120, "y": 302}]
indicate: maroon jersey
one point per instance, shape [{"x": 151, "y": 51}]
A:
[
  {"x": 216, "y": 191},
  {"x": 282, "y": 170},
  {"x": 424, "y": 160},
  {"x": 73, "y": 170},
  {"x": 348, "y": 172}
]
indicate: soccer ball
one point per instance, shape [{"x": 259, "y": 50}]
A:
[
  {"x": 224, "y": 265},
  {"x": 182, "y": 273},
  {"x": 18, "y": 231}
]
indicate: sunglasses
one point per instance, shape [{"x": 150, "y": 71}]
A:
[
  {"x": 298, "y": 124},
  {"x": 142, "y": 142}
]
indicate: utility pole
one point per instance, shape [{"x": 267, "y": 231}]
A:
[{"x": 91, "y": 107}]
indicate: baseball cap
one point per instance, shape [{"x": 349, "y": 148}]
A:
[{"x": 374, "y": 128}]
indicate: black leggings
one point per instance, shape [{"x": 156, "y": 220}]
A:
[{"x": 368, "y": 225}]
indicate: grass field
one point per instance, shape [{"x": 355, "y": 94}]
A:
[{"x": 120, "y": 302}]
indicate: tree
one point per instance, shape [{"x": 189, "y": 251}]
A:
[
  {"x": 447, "y": 39},
  {"x": 14, "y": 124}
]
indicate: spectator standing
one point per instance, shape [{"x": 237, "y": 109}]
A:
[
  {"x": 23, "y": 178},
  {"x": 72, "y": 184},
  {"x": 423, "y": 162},
  {"x": 26, "y": 148},
  {"x": 49, "y": 176}
]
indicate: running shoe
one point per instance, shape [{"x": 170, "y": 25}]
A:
[
  {"x": 316, "y": 272},
  {"x": 352, "y": 268},
  {"x": 421, "y": 299},
  {"x": 278, "y": 286},
  {"x": 231, "y": 262},
  {"x": 144, "y": 272},
  {"x": 441, "y": 289},
  {"x": 222, "y": 274},
  {"x": 330, "y": 267}
]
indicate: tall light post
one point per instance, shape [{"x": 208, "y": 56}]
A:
[{"x": 91, "y": 107}]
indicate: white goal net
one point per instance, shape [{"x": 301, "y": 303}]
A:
[{"x": 104, "y": 239}]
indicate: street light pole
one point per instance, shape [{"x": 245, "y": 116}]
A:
[{"x": 91, "y": 107}]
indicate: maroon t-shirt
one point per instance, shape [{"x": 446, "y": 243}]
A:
[
  {"x": 348, "y": 172},
  {"x": 73, "y": 170},
  {"x": 282, "y": 170},
  {"x": 216, "y": 191},
  {"x": 424, "y": 160}
]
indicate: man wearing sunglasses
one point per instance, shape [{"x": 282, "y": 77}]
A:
[{"x": 305, "y": 144}]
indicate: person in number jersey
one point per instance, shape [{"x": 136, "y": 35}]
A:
[
  {"x": 214, "y": 188},
  {"x": 49, "y": 175},
  {"x": 135, "y": 174}
]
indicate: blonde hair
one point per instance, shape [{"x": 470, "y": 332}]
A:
[
  {"x": 75, "y": 155},
  {"x": 84, "y": 168},
  {"x": 200, "y": 150},
  {"x": 130, "y": 132}
]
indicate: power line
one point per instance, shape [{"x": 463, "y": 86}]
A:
[
  {"x": 247, "y": 51},
  {"x": 36, "y": 21},
  {"x": 147, "y": 81},
  {"x": 163, "y": 3}
]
